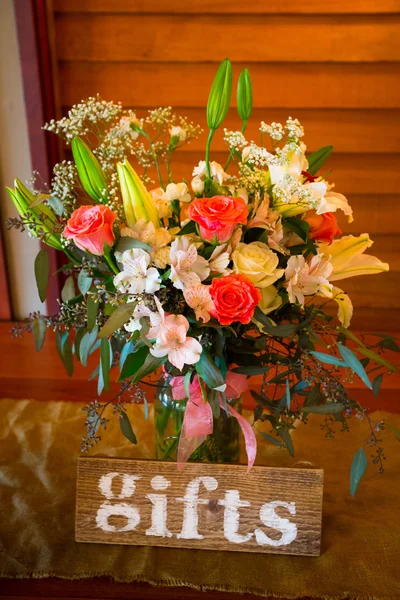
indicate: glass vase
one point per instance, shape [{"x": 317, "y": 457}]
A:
[{"x": 220, "y": 446}]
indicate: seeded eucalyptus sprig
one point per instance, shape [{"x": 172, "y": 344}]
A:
[{"x": 218, "y": 103}]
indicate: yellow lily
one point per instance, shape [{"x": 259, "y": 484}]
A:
[
  {"x": 345, "y": 311},
  {"x": 347, "y": 258},
  {"x": 138, "y": 203}
]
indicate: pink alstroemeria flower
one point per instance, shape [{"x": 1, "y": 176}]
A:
[{"x": 173, "y": 342}]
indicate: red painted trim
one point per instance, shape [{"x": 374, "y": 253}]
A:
[{"x": 35, "y": 57}]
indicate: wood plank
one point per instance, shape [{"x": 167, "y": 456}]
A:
[
  {"x": 290, "y": 38},
  {"x": 204, "y": 506},
  {"x": 229, "y": 6},
  {"x": 372, "y": 213},
  {"x": 349, "y": 131},
  {"x": 275, "y": 85}
]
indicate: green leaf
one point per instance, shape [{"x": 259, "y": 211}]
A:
[
  {"x": 244, "y": 96},
  {"x": 395, "y": 430},
  {"x": 133, "y": 362},
  {"x": 39, "y": 329},
  {"x": 288, "y": 440},
  {"x": 128, "y": 348},
  {"x": 358, "y": 469},
  {"x": 352, "y": 361},
  {"x": 349, "y": 334},
  {"x": 328, "y": 359},
  {"x": 330, "y": 408},
  {"x": 269, "y": 438},
  {"x": 284, "y": 330},
  {"x": 92, "y": 309},
  {"x": 389, "y": 344},
  {"x": 105, "y": 361},
  {"x": 208, "y": 371},
  {"x": 220, "y": 95},
  {"x": 298, "y": 226},
  {"x": 42, "y": 272},
  {"x": 378, "y": 359},
  {"x": 190, "y": 227},
  {"x": 252, "y": 370},
  {"x": 150, "y": 365},
  {"x": 287, "y": 394},
  {"x": 118, "y": 318},
  {"x": 68, "y": 291},
  {"x": 376, "y": 384},
  {"x": 213, "y": 399},
  {"x": 65, "y": 353},
  {"x": 126, "y": 428},
  {"x": 86, "y": 343},
  {"x": 77, "y": 341},
  {"x": 127, "y": 243},
  {"x": 84, "y": 282},
  {"x": 186, "y": 383},
  {"x": 318, "y": 158}
]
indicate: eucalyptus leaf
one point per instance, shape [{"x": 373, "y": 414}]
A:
[
  {"x": 284, "y": 330},
  {"x": 287, "y": 394},
  {"x": 133, "y": 362},
  {"x": 39, "y": 329},
  {"x": 352, "y": 361},
  {"x": 378, "y": 359},
  {"x": 86, "y": 344},
  {"x": 126, "y": 428},
  {"x": 56, "y": 205},
  {"x": 68, "y": 290},
  {"x": 328, "y": 359},
  {"x": 92, "y": 308},
  {"x": 65, "y": 353},
  {"x": 127, "y": 243},
  {"x": 77, "y": 341},
  {"x": 84, "y": 282},
  {"x": 150, "y": 365},
  {"x": 42, "y": 272},
  {"x": 127, "y": 349},
  {"x": 269, "y": 438},
  {"x": 118, "y": 318},
  {"x": 358, "y": 468},
  {"x": 208, "y": 371},
  {"x": 252, "y": 370},
  {"x": 105, "y": 361},
  {"x": 376, "y": 384}
]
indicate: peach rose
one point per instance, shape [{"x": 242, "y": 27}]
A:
[
  {"x": 91, "y": 227},
  {"x": 323, "y": 228},
  {"x": 235, "y": 299},
  {"x": 218, "y": 216}
]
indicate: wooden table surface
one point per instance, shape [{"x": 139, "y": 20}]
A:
[{"x": 27, "y": 374}]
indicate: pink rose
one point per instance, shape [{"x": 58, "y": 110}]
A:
[
  {"x": 91, "y": 227},
  {"x": 218, "y": 216}
]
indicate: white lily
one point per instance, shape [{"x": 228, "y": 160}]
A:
[{"x": 347, "y": 258}]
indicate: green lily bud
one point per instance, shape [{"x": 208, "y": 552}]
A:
[
  {"x": 244, "y": 96},
  {"x": 138, "y": 203},
  {"x": 42, "y": 216},
  {"x": 220, "y": 95},
  {"x": 89, "y": 170}
]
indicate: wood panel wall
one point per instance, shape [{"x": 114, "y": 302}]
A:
[{"x": 334, "y": 65}]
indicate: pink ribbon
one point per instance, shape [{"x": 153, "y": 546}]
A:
[{"x": 198, "y": 419}]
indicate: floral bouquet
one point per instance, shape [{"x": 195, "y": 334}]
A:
[{"x": 206, "y": 283}]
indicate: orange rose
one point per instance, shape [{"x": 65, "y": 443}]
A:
[
  {"x": 235, "y": 299},
  {"x": 218, "y": 216},
  {"x": 91, "y": 227},
  {"x": 323, "y": 228}
]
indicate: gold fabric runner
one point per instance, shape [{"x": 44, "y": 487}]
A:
[{"x": 39, "y": 444}]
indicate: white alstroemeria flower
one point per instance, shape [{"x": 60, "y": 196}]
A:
[
  {"x": 198, "y": 298},
  {"x": 308, "y": 278},
  {"x": 187, "y": 268},
  {"x": 136, "y": 277},
  {"x": 178, "y": 132},
  {"x": 177, "y": 191},
  {"x": 220, "y": 259},
  {"x": 295, "y": 164},
  {"x": 331, "y": 202},
  {"x": 348, "y": 259},
  {"x": 173, "y": 342},
  {"x": 199, "y": 172}
]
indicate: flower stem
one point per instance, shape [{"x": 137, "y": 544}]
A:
[{"x": 210, "y": 137}]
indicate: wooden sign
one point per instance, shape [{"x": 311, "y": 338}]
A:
[{"x": 206, "y": 506}]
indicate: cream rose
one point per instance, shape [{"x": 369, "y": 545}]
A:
[
  {"x": 270, "y": 299},
  {"x": 258, "y": 263}
]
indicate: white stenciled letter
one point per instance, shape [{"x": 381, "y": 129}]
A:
[
  {"x": 270, "y": 519},
  {"x": 232, "y": 503},
  {"x": 159, "y": 508},
  {"x": 106, "y": 510},
  {"x": 191, "y": 501}
]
